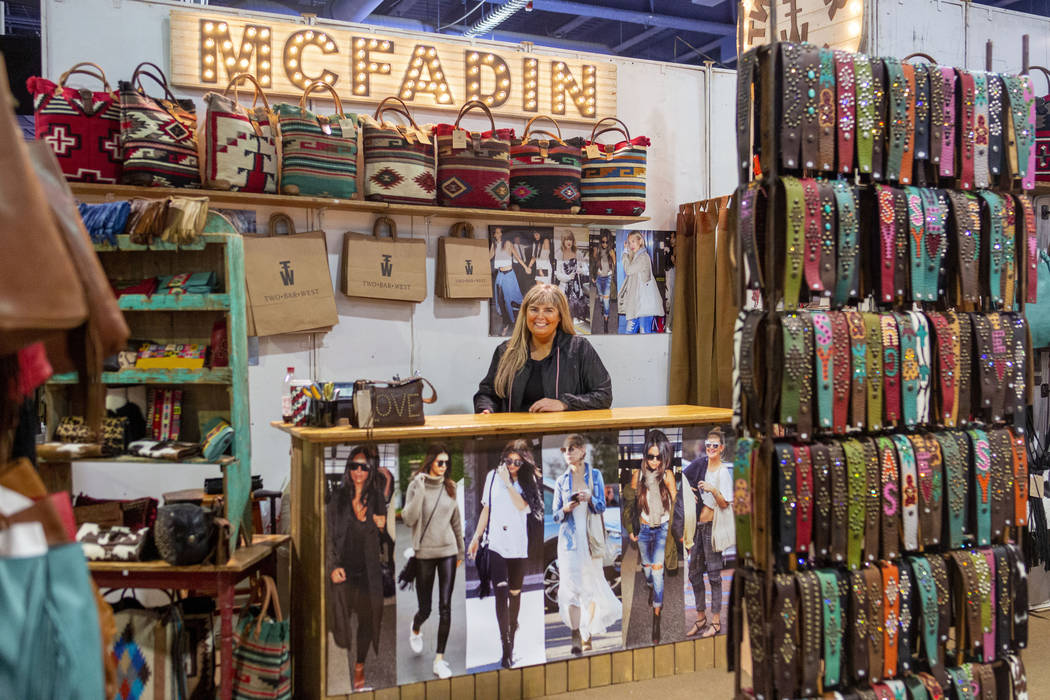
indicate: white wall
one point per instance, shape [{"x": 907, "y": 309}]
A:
[{"x": 447, "y": 341}]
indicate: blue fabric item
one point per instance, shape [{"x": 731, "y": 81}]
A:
[
  {"x": 603, "y": 285},
  {"x": 104, "y": 221},
  {"x": 651, "y": 544},
  {"x": 1038, "y": 314},
  {"x": 508, "y": 295},
  {"x": 563, "y": 490},
  {"x": 642, "y": 324},
  {"x": 50, "y": 646}
]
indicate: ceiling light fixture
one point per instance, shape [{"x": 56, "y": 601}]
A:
[{"x": 501, "y": 15}]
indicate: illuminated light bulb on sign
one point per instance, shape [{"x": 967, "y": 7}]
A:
[
  {"x": 444, "y": 98},
  {"x": 292, "y": 63},
  {"x": 230, "y": 60},
  {"x": 329, "y": 46},
  {"x": 385, "y": 46},
  {"x": 373, "y": 67},
  {"x": 265, "y": 65},
  {"x": 361, "y": 65},
  {"x": 308, "y": 36},
  {"x": 264, "y": 33},
  {"x": 293, "y": 49},
  {"x": 209, "y": 43},
  {"x": 208, "y": 60},
  {"x": 265, "y": 80},
  {"x": 209, "y": 74},
  {"x": 359, "y": 43},
  {"x": 297, "y": 76},
  {"x": 372, "y": 43},
  {"x": 223, "y": 27},
  {"x": 328, "y": 78},
  {"x": 856, "y": 7},
  {"x": 209, "y": 27},
  {"x": 227, "y": 45},
  {"x": 360, "y": 89},
  {"x": 246, "y": 46},
  {"x": 250, "y": 31},
  {"x": 244, "y": 63},
  {"x": 265, "y": 50}
]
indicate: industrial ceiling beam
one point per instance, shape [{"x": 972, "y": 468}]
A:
[
  {"x": 582, "y": 9},
  {"x": 403, "y": 7},
  {"x": 638, "y": 38},
  {"x": 511, "y": 37},
  {"x": 571, "y": 26},
  {"x": 353, "y": 10}
]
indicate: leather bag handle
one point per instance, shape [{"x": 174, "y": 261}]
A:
[
  {"x": 622, "y": 128},
  {"x": 919, "y": 54},
  {"x": 158, "y": 77},
  {"x": 278, "y": 218},
  {"x": 403, "y": 111},
  {"x": 528, "y": 127},
  {"x": 270, "y": 600},
  {"x": 380, "y": 220},
  {"x": 321, "y": 85},
  {"x": 1044, "y": 71},
  {"x": 402, "y": 382},
  {"x": 461, "y": 229},
  {"x": 235, "y": 82},
  {"x": 101, "y": 74},
  {"x": 476, "y": 104}
]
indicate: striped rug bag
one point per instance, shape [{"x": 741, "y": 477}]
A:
[
  {"x": 545, "y": 172},
  {"x": 398, "y": 158},
  {"x": 262, "y": 659},
  {"x": 238, "y": 147},
  {"x": 473, "y": 167},
  {"x": 613, "y": 179},
  {"x": 318, "y": 153}
]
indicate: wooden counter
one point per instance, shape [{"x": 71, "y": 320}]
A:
[
  {"x": 309, "y": 623},
  {"x": 488, "y": 425}
]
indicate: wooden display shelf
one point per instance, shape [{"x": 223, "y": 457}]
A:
[
  {"x": 222, "y": 375},
  {"x": 479, "y": 425},
  {"x": 174, "y": 302},
  {"x": 247, "y": 199},
  {"x": 135, "y": 459},
  {"x": 242, "y": 559}
]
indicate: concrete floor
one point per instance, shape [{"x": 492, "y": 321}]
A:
[{"x": 718, "y": 683}]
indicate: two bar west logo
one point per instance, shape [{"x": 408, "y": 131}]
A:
[
  {"x": 468, "y": 264},
  {"x": 386, "y": 267},
  {"x": 287, "y": 273}
]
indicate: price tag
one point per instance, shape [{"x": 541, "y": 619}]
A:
[
  {"x": 459, "y": 139},
  {"x": 422, "y": 136},
  {"x": 347, "y": 126},
  {"x": 592, "y": 150}
]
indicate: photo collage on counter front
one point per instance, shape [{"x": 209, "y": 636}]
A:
[
  {"x": 616, "y": 281},
  {"x": 507, "y": 571}
]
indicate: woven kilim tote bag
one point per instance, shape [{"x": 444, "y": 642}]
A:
[
  {"x": 239, "y": 146},
  {"x": 613, "y": 179},
  {"x": 398, "y": 159},
  {"x": 473, "y": 167},
  {"x": 158, "y": 134},
  {"x": 262, "y": 660},
  {"x": 545, "y": 172},
  {"x": 318, "y": 154},
  {"x": 82, "y": 127}
]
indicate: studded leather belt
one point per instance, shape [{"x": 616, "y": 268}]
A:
[
  {"x": 873, "y": 328},
  {"x": 846, "y": 103},
  {"x": 873, "y": 505},
  {"x": 946, "y": 332},
  {"x": 796, "y": 389},
  {"x": 891, "y": 605},
  {"x": 935, "y": 210},
  {"x": 988, "y": 617},
  {"x": 890, "y": 369},
  {"x": 888, "y": 242},
  {"x": 928, "y": 463},
  {"x": 824, "y": 343},
  {"x": 947, "y": 154},
  {"x": 821, "y": 459},
  {"x": 786, "y": 635},
  {"x": 966, "y": 210},
  {"x": 993, "y": 215},
  {"x": 879, "y": 92},
  {"x": 795, "y": 240},
  {"x": 857, "y": 484},
  {"x": 922, "y": 113},
  {"x": 928, "y": 607},
  {"x": 1019, "y": 586},
  {"x": 814, "y": 235},
  {"x": 792, "y": 101},
  {"x": 968, "y": 130},
  {"x": 759, "y": 628},
  {"x": 908, "y": 157},
  {"x": 745, "y": 81},
  {"x": 812, "y": 620},
  {"x": 749, "y": 227},
  {"x": 867, "y": 107},
  {"x": 1009, "y": 233},
  {"x": 840, "y": 502},
  {"x": 742, "y": 508},
  {"x": 846, "y": 288},
  {"x": 1031, "y": 250},
  {"x": 804, "y": 498},
  {"x": 787, "y": 517},
  {"x": 907, "y": 618},
  {"x": 810, "y": 109},
  {"x": 889, "y": 491},
  {"x": 980, "y": 120},
  {"x": 1021, "y": 130},
  {"x": 826, "y": 111},
  {"x": 832, "y": 627},
  {"x": 982, "y": 468},
  {"x": 1000, "y": 449},
  {"x": 751, "y": 408},
  {"x": 858, "y": 627},
  {"x": 858, "y": 338},
  {"x": 897, "y": 121},
  {"x": 995, "y": 126},
  {"x": 1020, "y": 468},
  {"x": 876, "y": 623},
  {"x": 840, "y": 371},
  {"x": 965, "y": 363},
  {"x": 986, "y": 366},
  {"x": 924, "y": 366},
  {"x": 955, "y": 448},
  {"x": 909, "y": 481},
  {"x": 1003, "y": 601}
]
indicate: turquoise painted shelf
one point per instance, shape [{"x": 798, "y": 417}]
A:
[
  {"x": 175, "y": 302},
  {"x": 222, "y": 375},
  {"x": 124, "y": 243}
]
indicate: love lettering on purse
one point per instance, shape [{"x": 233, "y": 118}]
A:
[{"x": 383, "y": 404}]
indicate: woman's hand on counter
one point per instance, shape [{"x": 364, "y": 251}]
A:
[{"x": 547, "y": 406}]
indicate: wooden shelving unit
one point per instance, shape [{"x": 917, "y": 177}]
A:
[{"x": 245, "y": 199}]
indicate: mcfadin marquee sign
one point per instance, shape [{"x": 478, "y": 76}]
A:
[
  {"x": 833, "y": 23},
  {"x": 363, "y": 66}
]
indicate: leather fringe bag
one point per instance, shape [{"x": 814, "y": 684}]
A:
[
  {"x": 42, "y": 295},
  {"x": 81, "y": 126},
  {"x": 158, "y": 134},
  {"x": 545, "y": 172},
  {"x": 613, "y": 177},
  {"x": 238, "y": 146},
  {"x": 398, "y": 158},
  {"x": 318, "y": 153},
  {"x": 473, "y": 167}
]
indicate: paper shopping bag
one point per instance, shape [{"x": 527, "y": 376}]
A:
[
  {"x": 289, "y": 283},
  {"x": 384, "y": 268},
  {"x": 463, "y": 271}
]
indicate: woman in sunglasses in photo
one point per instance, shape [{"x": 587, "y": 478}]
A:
[
  {"x": 655, "y": 485},
  {"x": 587, "y": 604},
  {"x": 509, "y": 497},
  {"x": 356, "y": 513},
  {"x": 603, "y": 265},
  {"x": 432, "y": 511},
  {"x": 712, "y": 481}
]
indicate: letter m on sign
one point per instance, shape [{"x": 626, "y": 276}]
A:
[{"x": 386, "y": 267}]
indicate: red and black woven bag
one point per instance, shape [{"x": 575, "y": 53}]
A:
[
  {"x": 545, "y": 172},
  {"x": 473, "y": 168}
]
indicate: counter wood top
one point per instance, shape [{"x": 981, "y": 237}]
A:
[{"x": 495, "y": 424}]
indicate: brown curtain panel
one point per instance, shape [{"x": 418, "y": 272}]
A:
[{"x": 701, "y": 365}]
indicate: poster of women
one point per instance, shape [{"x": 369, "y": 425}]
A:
[{"x": 644, "y": 280}]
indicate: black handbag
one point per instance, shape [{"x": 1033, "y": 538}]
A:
[
  {"x": 408, "y": 574},
  {"x": 483, "y": 557},
  {"x": 379, "y": 404}
]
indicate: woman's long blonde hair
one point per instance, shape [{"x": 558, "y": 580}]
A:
[
  {"x": 520, "y": 344},
  {"x": 629, "y": 254}
]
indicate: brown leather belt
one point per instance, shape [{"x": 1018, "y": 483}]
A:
[
  {"x": 745, "y": 81},
  {"x": 814, "y": 235},
  {"x": 928, "y": 464},
  {"x": 966, "y": 211},
  {"x": 890, "y": 495},
  {"x": 902, "y": 263},
  {"x": 907, "y": 160},
  {"x": 891, "y": 394},
  {"x": 936, "y": 116},
  {"x": 751, "y": 410},
  {"x": 827, "y": 237},
  {"x": 810, "y": 111},
  {"x": 922, "y": 112},
  {"x": 750, "y": 228},
  {"x": 878, "y": 88},
  {"x": 839, "y": 502},
  {"x": 1029, "y": 235},
  {"x": 872, "y": 511},
  {"x": 876, "y": 623},
  {"x": 1000, "y": 445},
  {"x": 965, "y": 365},
  {"x": 791, "y": 120},
  {"x": 946, "y": 332},
  {"x": 797, "y": 385},
  {"x": 858, "y": 626},
  {"x": 804, "y": 493},
  {"x": 840, "y": 371},
  {"x": 822, "y": 523},
  {"x": 939, "y": 568},
  {"x": 786, "y": 635},
  {"x": 995, "y": 126},
  {"x": 811, "y": 623},
  {"x": 826, "y": 110},
  {"x": 759, "y": 628},
  {"x": 987, "y": 390},
  {"x": 858, "y": 351}
]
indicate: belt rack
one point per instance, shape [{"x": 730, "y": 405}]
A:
[{"x": 769, "y": 577}]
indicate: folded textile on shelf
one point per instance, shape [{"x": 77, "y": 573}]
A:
[{"x": 112, "y": 543}]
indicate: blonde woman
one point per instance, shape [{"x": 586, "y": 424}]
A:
[
  {"x": 587, "y": 604},
  {"x": 507, "y": 291},
  {"x": 639, "y": 299},
  {"x": 567, "y": 274},
  {"x": 544, "y": 366}
]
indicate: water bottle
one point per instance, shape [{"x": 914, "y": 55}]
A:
[{"x": 286, "y": 395}]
